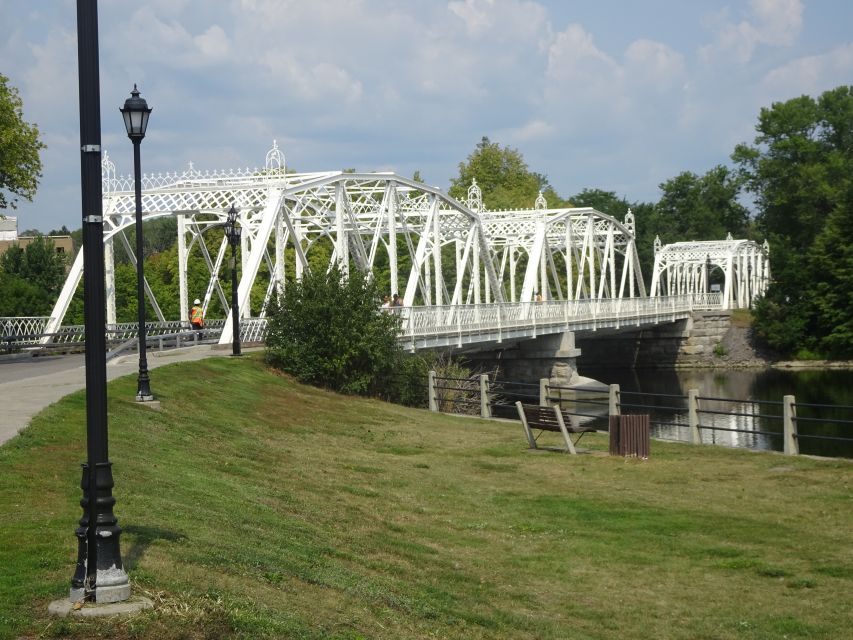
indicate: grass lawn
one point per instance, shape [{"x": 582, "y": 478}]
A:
[{"x": 255, "y": 507}]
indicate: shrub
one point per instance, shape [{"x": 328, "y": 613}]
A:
[{"x": 327, "y": 330}]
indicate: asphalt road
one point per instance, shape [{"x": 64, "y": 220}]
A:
[
  {"x": 21, "y": 369},
  {"x": 29, "y": 385}
]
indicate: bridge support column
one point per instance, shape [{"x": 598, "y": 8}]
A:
[{"x": 552, "y": 356}]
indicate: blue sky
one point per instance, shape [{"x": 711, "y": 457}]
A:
[{"x": 617, "y": 95}]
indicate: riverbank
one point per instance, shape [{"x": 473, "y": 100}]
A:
[
  {"x": 279, "y": 510},
  {"x": 737, "y": 350}
]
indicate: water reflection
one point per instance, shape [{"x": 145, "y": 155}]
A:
[{"x": 742, "y": 408}]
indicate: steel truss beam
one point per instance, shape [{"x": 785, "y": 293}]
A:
[
  {"x": 686, "y": 267},
  {"x": 366, "y": 218},
  {"x": 437, "y": 250}
]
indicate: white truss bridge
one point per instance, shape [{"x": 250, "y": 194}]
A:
[{"x": 466, "y": 274}]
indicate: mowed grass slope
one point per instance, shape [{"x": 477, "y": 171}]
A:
[{"x": 256, "y": 507}]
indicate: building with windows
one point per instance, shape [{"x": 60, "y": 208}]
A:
[{"x": 9, "y": 236}]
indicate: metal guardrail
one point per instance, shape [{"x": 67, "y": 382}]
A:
[{"x": 787, "y": 425}]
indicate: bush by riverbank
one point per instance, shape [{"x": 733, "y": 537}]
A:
[{"x": 255, "y": 507}]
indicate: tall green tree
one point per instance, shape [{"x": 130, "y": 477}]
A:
[
  {"x": 20, "y": 163},
  {"x": 706, "y": 207},
  {"x": 800, "y": 170},
  {"x": 504, "y": 178},
  {"x": 30, "y": 278}
]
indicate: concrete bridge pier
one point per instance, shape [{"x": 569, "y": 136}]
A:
[{"x": 552, "y": 356}]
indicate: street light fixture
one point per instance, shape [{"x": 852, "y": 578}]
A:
[
  {"x": 233, "y": 232},
  {"x": 135, "y": 113}
]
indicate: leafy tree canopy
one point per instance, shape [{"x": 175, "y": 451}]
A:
[
  {"x": 20, "y": 164},
  {"x": 800, "y": 170},
  {"x": 30, "y": 278},
  {"x": 694, "y": 207},
  {"x": 504, "y": 178}
]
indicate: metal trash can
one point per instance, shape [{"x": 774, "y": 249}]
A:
[{"x": 629, "y": 436}]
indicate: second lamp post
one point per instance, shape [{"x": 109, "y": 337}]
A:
[
  {"x": 232, "y": 232},
  {"x": 135, "y": 113}
]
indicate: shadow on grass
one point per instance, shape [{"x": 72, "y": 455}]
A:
[{"x": 143, "y": 537}]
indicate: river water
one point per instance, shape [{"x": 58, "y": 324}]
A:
[{"x": 812, "y": 387}]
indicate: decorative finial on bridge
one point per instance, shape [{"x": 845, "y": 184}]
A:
[
  {"x": 729, "y": 237},
  {"x": 766, "y": 247},
  {"x": 629, "y": 220},
  {"x": 475, "y": 197},
  {"x": 541, "y": 203},
  {"x": 657, "y": 245},
  {"x": 191, "y": 167},
  {"x": 108, "y": 173},
  {"x": 274, "y": 162}
]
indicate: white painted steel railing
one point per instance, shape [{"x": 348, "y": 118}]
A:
[
  {"x": 465, "y": 323},
  {"x": 530, "y": 318}
]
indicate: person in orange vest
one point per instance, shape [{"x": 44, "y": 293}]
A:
[{"x": 197, "y": 316}]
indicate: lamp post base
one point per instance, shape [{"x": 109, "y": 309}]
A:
[
  {"x": 65, "y": 607},
  {"x": 113, "y": 585}
]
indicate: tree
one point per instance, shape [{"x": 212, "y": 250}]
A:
[
  {"x": 20, "y": 164},
  {"x": 327, "y": 330},
  {"x": 30, "y": 278},
  {"x": 504, "y": 178},
  {"x": 800, "y": 170},
  {"x": 694, "y": 207}
]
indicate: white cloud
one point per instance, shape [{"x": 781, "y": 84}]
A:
[
  {"x": 53, "y": 74},
  {"x": 501, "y": 19},
  {"x": 165, "y": 40},
  {"x": 772, "y": 22},
  {"x": 811, "y": 74},
  {"x": 780, "y": 21},
  {"x": 213, "y": 44},
  {"x": 578, "y": 70},
  {"x": 654, "y": 65},
  {"x": 532, "y": 130},
  {"x": 414, "y": 85}
]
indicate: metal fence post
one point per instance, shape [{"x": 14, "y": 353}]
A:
[
  {"x": 693, "y": 415},
  {"x": 543, "y": 392},
  {"x": 789, "y": 426},
  {"x": 433, "y": 401},
  {"x": 485, "y": 407},
  {"x": 614, "y": 404}
]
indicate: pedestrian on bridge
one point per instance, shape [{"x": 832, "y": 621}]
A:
[{"x": 197, "y": 317}]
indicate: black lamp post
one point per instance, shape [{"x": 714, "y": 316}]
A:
[
  {"x": 99, "y": 574},
  {"x": 749, "y": 285},
  {"x": 707, "y": 273},
  {"x": 232, "y": 232},
  {"x": 135, "y": 113}
]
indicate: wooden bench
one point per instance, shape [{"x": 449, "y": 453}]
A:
[{"x": 549, "y": 419}]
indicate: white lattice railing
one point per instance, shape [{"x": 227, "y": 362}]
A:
[
  {"x": 13, "y": 328},
  {"x": 420, "y": 323},
  {"x": 30, "y": 331}
]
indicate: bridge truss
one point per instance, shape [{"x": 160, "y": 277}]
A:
[
  {"x": 434, "y": 250},
  {"x": 688, "y": 267},
  {"x": 567, "y": 253}
]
